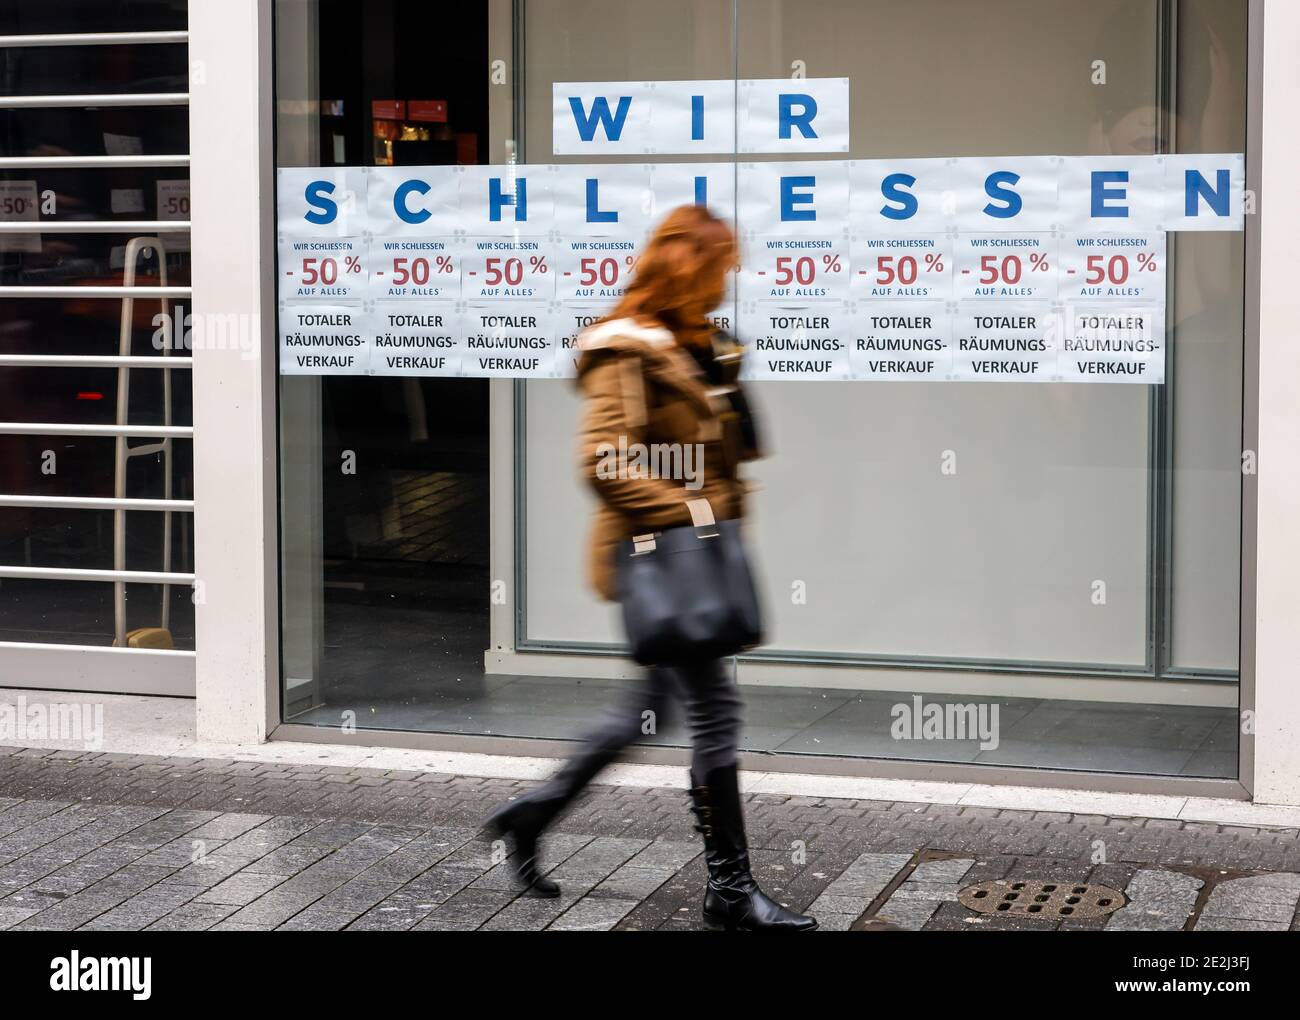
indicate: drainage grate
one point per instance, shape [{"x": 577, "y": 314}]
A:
[{"x": 1048, "y": 900}]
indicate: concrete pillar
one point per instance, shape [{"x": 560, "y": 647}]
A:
[
  {"x": 231, "y": 181},
  {"x": 1274, "y": 616}
]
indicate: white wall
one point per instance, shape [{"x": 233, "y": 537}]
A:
[
  {"x": 236, "y": 630},
  {"x": 1276, "y": 608}
]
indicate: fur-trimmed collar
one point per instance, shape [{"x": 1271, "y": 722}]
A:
[
  {"x": 617, "y": 333},
  {"x": 663, "y": 361}
]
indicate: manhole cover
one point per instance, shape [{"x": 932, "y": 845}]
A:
[{"x": 1053, "y": 900}]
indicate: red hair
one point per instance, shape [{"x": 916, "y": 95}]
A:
[{"x": 681, "y": 275}]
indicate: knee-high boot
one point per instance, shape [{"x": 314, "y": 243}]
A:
[
  {"x": 733, "y": 901},
  {"x": 522, "y": 821}
]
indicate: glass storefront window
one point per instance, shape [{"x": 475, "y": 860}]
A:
[{"x": 1066, "y": 553}]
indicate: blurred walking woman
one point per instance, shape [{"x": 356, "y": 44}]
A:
[{"x": 656, "y": 375}]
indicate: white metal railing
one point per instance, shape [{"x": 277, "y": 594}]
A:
[
  {"x": 94, "y": 226},
  {"x": 96, "y": 503},
  {"x": 95, "y": 99},
  {"x": 92, "y": 361},
  {"x": 81, "y": 574},
  {"x": 94, "y": 39},
  {"x": 93, "y": 292},
  {"x": 87, "y": 162},
  {"x": 48, "y": 428}
]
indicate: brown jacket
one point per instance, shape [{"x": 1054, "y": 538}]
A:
[{"x": 654, "y": 435}]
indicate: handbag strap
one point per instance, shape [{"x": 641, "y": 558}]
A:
[
  {"x": 702, "y": 519},
  {"x": 642, "y": 544}
]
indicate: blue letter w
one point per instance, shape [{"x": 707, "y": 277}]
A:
[{"x": 612, "y": 123}]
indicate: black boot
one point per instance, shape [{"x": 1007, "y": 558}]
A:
[
  {"x": 521, "y": 822},
  {"x": 733, "y": 901}
]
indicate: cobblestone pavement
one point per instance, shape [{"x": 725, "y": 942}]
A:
[{"x": 117, "y": 842}]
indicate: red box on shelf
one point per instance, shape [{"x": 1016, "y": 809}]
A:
[
  {"x": 388, "y": 109},
  {"x": 431, "y": 111}
]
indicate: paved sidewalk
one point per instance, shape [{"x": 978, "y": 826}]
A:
[{"x": 106, "y": 841}]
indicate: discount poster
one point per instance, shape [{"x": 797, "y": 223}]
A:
[{"x": 1025, "y": 269}]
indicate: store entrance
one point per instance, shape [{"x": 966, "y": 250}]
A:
[{"x": 387, "y": 477}]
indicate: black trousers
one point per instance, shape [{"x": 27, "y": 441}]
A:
[{"x": 714, "y": 714}]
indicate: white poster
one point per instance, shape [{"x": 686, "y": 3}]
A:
[
  {"x": 1112, "y": 267},
  {"x": 1106, "y": 342},
  {"x": 1004, "y": 342},
  {"x": 19, "y": 204},
  {"x": 332, "y": 271},
  {"x": 173, "y": 203},
  {"x": 410, "y": 269},
  {"x": 887, "y": 267},
  {"x": 902, "y": 196},
  {"x": 507, "y": 270},
  {"x": 510, "y": 342},
  {"x": 1005, "y": 267},
  {"x": 790, "y": 115},
  {"x": 594, "y": 270},
  {"x": 1204, "y": 192},
  {"x": 709, "y": 184},
  {"x": 321, "y": 202},
  {"x": 1118, "y": 189},
  {"x": 409, "y": 338},
  {"x": 510, "y": 200},
  {"x": 793, "y": 115},
  {"x": 808, "y": 341},
  {"x": 610, "y": 199},
  {"x": 413, "y": 201},
  {"x": 911, "y": 342},
  {"x": 324, "y": 339},
  {"x": 1025, "y": 269}
]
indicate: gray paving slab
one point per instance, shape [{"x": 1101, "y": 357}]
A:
[
  {"x": 1239, "y": 924},
  {"x": 1158, "y": 901},
  {"x": 628, "y": 882},
  {"x": 469, "y": 906},
  {"x": 931, "y": 884},
  {"x": 242, "y": 887},
  {"x": 593, "y": 914},
  {"x": 12, "y": 915},
  {"x": 126, "y": 842},
  {"x": 1267, "y": 898},
  {"x": 860, "y": 883}
]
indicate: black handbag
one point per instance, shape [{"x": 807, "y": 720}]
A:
[{"x": 688, "y": 593}]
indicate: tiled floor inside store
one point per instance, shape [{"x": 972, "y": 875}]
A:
[{"x": 424, "y": 677}]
